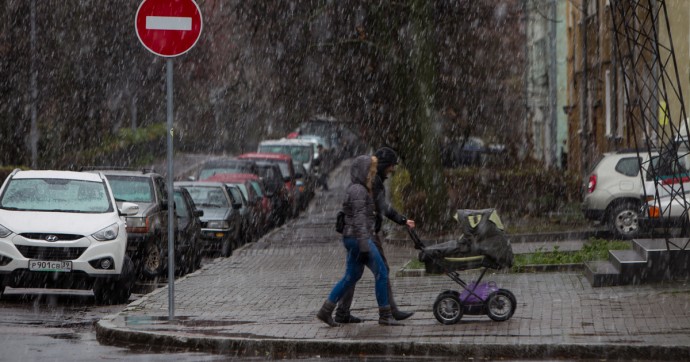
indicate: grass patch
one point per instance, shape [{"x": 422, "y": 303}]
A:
[{"x": 595, "y": 249}]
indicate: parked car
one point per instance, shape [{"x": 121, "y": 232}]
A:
[
  {"x": 221, "y": 222},
  {"x": 63, "y": 229},
  {"x": 612, "y": 192},
  {"x": 258, "y": 212},
  {"x": 245, "y": 211},
  {"x": 188, "y": 242},
  {"x": 667, "y": 193},
  {"x": 306, "y": 184},
  {"x": 471, "y": 151},
  {"x": 287, "y": 170},
  {"x": 225, "y": 165},
  {"x": 301, "y": 151},
  {"x": 275, "y": 190},
  {"x": 147, "y": 231}
]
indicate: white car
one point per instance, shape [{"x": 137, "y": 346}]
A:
[
  {"x": 62, "y": 229},
  {"x": 301, "y": 151}
]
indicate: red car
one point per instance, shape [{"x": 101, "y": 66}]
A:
[
  {"x": 253, "y": 190},
  {"x": 287, "y": 169}
]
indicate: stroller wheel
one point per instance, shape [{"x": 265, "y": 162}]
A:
[
  {"x": 500, "y": 305},
  {"x": 447, "y": 308}
]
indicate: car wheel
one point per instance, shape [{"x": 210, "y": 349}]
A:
[
  {"x": 623, "y": 221},
  {"x": 152, "y": 261},
  {"x": 226, "y": 247},
  {"x": 116, "y": 291}
]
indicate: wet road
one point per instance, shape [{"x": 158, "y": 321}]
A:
[{"x": 57, "y": 325}]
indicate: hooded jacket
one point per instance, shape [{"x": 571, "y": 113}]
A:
[{"x": 359, "y": 203}]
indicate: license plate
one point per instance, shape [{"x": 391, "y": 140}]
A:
[{"x": 47, "y": 265}]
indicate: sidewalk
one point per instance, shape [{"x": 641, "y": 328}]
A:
[{"x": 262, "y": 302}]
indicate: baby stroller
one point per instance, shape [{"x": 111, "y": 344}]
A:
[{"x": 482, "y": 245}]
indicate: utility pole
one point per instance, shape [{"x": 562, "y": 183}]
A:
[{"x": 33, "y": 133}]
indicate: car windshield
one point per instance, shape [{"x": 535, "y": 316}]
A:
[
  {"x": 209, "y": 172},
  {"x": 131, "y": 188},
  {"x": 62, "y": 195},
  {"x": 284, "y": 170},
  {"x": 299, "y": 153},
  {"x": 208, "y": 196}
]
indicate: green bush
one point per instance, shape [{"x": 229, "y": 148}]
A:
[{"x": 516, "y": 193}]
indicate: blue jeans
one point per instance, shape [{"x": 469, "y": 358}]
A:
[{"x": 354, "y": 270}]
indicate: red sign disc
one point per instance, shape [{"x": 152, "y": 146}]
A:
[{"x": 168, "y": 27}]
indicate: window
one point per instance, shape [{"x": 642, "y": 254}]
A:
[
  {"x": 607, "y": 95},
  {"x": 628, "y": 166}
]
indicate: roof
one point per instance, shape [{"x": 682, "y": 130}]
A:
[
  {"x": 198, "y": 184},
  {"x": 265, "y": 156},
  {"x": 66, "y": 175},
  {"x": 233, "y": 177},
  {"x": 286, "y": 142},
  {"x": 227, "y": 161}
]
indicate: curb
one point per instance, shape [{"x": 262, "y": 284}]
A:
[{"x": 108, "y": 333}]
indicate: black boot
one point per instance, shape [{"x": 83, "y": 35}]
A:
[
  {"x": 325, "y": 313},
  {"x": 386, "y": 318},
  {"x": 397, "y": 313},
  {"x": 346, "y": 318},
  {"x": 400, "y": 315}
]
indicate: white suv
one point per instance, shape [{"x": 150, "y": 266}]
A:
[
  {"x": 612, "y": 192},
  {"x": 62, "y": 229}
]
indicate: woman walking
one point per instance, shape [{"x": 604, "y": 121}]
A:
[{"x": 358, "y": 236}]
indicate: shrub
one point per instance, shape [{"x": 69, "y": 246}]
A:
[{"x": 518, "y": 192}]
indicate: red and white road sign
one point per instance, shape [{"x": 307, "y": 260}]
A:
[{"x": 168, "y": 27}]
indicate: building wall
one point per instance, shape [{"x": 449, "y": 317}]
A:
[
  {"x": 600, "y": 117},
  {"x": 546, "y": 79}
]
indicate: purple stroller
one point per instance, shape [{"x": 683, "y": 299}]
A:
[{"x": 483, "y": 245}]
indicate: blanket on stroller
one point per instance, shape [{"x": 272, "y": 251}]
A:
[{"x": 482, "y": 234}]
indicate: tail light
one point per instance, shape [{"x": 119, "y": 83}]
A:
[
  {"x": 592, "y": 183},
  {"x": 653, "y": 212}
]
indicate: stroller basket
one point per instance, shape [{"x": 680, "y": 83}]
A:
[{"x": 439, "y": 265}]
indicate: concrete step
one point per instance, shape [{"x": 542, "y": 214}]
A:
[
  {"x": 630, "y": 264},
  {"x": 601, "y": 273}
]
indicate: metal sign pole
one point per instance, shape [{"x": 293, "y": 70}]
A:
[{"x": 171, "y": 195}]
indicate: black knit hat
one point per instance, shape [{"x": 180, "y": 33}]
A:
[{"x": 386, "y": 157}]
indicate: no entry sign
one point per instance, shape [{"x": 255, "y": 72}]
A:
[{"x": 168, "y": 27}]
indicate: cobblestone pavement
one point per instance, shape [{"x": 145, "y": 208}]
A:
[{"x": 262, "y": 302}]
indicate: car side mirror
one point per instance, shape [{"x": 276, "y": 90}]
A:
[
  {"x": 236, "y": 205},
  {"x": 128, "y": 209},
  {"x": 198, "y": 213}
]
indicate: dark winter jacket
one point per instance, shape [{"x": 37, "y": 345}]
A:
[
  {"x": 359, "y": 203},
  {"x": 386, "y": 157},
  {"x": 382, "y": 207}
]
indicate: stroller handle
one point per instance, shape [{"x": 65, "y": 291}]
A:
[{"x": 418, "y": 244}]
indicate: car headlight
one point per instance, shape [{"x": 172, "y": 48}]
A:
[
  {"x": 108, "y": 233},
  {"x": 4, "y": 232},
  {"x": 218, "y": 224}
]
